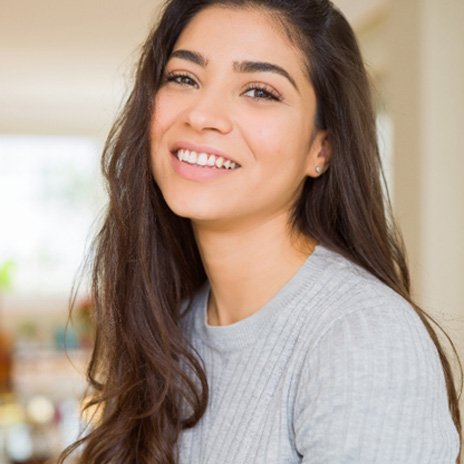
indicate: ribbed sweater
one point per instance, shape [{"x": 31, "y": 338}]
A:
[{"x": 336, "y": 368}]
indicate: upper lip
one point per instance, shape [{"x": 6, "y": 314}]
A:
[{"x": 175, "y": 147}]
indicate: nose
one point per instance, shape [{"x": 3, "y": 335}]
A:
[{"x": 209, "y": 111}]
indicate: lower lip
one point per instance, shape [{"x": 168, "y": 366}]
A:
[{"x": 195, "y": 172}]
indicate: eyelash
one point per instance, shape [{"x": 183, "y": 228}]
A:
[
  {"x": 269, "y": 94},
  {"x": 179, "y": 78}
]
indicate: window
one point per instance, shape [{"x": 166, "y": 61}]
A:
[{"x": 50, "y": 198}]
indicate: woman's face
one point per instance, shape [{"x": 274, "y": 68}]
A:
[{"x": 236, "y": 101}]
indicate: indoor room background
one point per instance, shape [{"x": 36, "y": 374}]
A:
[{"x": 66, "y": 67}]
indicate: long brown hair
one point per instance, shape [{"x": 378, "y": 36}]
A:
[{"x": 146, "y": 380}]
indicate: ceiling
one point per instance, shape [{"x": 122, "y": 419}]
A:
[{"x": 66, "y": 64}]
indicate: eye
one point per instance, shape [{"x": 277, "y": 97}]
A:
[
  {"x": 179, "y": 78},
  {"x": 263, "y": 92}
]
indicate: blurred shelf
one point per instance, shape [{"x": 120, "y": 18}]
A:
[{"x": 58, "y": 375}]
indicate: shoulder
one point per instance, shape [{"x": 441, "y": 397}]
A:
[
  {"x": 356, "y": 327},
  {"x": 370, "y": 374},
  {"x": 347, "y": 297}
]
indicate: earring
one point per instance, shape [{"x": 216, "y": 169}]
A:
[{"x": 318, "y": 169}]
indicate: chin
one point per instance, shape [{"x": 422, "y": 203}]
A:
[{"x": 194, "y": 210}]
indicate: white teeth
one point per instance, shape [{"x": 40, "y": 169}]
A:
[
  {"x": 192, "y": 158},
  {"x": 202, "y": 159},
  {"x": 205, "y": 159},
  {"x": 180, "y": 155}
]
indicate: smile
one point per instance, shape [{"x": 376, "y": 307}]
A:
[{"x": 205, "y": 159}]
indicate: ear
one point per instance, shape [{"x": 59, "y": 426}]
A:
[{"x": 320, "y": 153}]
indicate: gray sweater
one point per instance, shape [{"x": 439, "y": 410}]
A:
[{"x": 336, "y": 368}]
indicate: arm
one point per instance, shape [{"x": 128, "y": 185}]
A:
[{"x": 373, "y": 391}]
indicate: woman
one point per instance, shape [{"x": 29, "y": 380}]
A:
[{"x": 252, "y": 293}]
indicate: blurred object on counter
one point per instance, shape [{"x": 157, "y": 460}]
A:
[
  {"x": 42, "y": 381},
  {"x": 34, "y": 431},
  {"x": 6, "y": 361},
  {"x": 66, "y": 338},
  {"x": 6, "y": 275},
  {"x": 83, "y": 319},
  {"x": 42, "y": 414},
  {"x": 6, "y": 341}
]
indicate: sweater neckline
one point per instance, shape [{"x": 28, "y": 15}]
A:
[{"x": 240, "y": 334}]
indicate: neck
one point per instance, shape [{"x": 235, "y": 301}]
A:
[{"x": 247, "y": 266}]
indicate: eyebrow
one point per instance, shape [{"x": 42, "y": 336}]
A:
[
  {"x": 194, "y": 57},
  {"x": 238, "y": 66},
  {"x": 260, "y": 66}
]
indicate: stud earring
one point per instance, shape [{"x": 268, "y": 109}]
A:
[{"x": 318, "y": 169}]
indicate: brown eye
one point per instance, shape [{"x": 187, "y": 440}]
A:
[
  {"x": 263, "y": 92},
  {"x": 179, "y": 78}
]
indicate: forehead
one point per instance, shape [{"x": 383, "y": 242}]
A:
[{"x": 225, "y": 33}]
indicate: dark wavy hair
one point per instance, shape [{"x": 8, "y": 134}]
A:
[{"x": 147, "y": 382}]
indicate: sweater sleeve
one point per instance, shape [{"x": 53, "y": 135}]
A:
[{"x": 373, "y": 391}]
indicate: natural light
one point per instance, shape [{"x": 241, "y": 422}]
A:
[{"x": 50, "y": 197}]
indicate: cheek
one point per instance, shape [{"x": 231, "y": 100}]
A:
[
  {"x": 273, "y": 137},
  {"x": 165, "y": 112}
]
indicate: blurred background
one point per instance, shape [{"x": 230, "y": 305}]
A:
[{"x": 65, "y": 69}]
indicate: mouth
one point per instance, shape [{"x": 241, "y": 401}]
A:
[{"x": 205, "y": 160}]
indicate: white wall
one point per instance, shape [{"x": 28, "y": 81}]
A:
[{"x": 425, "y": 95}]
